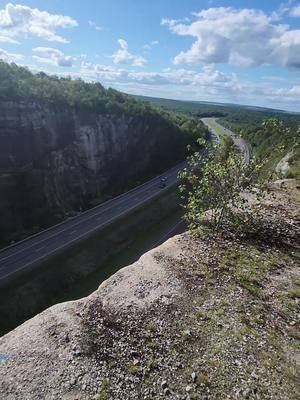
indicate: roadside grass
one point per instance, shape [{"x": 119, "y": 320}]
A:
[
  {"x": 143, "y": 243},
  {"x": 213, "y": 125},
  {"x": 80, "y": 269}
]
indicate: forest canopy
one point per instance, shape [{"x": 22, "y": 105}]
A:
[{"x": 19, "y": 84}]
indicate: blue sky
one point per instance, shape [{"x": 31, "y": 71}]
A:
[{"x": 226, "y": 51}]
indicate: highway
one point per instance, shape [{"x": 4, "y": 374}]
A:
[
  {"x": 239, "y": 142},
  {"x": 39, "y": 247}
]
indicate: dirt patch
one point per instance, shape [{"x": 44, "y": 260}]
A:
[{"x": 192, "y": 319}]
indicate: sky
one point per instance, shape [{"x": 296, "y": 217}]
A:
[{"x": 245, "y": 52}]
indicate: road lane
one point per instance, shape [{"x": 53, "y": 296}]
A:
[
  {"x": 102, "y": 208},
  {"x": 38, "y": 247},
  {"x": 239, "y": 142}
]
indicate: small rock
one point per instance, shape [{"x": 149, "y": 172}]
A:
[
  {"x": 194, "y": 377},
  {"x": 246, "y": 393},
  {"x": 72, "y": 381},
  {"x": 164, "y": 384}
]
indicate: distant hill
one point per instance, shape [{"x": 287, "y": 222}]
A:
[
  {"x": 248, "y": 121},
  {"x": 206, "y": 106}
]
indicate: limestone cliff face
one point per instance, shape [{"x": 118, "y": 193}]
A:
[{"x": 54, "y": 160}]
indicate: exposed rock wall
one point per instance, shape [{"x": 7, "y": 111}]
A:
[
  {"x": 194, "y": 318},
  {"x": 54, "y": 160},
  {"x": 283, "y": 165}
]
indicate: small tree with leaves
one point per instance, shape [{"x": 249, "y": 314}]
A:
[{"x": 214, "y": 186}]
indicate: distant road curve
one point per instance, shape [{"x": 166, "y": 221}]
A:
[
  {"x": 238, "y": 141},
  {"x": 38, "y": 247}
]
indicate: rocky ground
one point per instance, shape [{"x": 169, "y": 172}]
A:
[
  {"x": 283, "y": 165},
  {"x": 192, "y": 319}
]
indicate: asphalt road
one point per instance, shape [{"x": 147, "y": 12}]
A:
[
  {"x": 239, "y": 142},
  {"x": 35, "y": 248},
  {"x": 38, "y": 247}
]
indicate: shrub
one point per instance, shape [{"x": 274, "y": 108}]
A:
[{"x": 214, "y": 188}]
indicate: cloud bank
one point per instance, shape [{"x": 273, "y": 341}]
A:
[
  {"x": 19, "y": 21},
  {"x": 181, "y": 83},
  {"x": 243, "y": 37}
]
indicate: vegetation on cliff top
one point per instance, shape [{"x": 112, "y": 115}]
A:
[
  {"x": 153, "y": 140},
  {"x": 219, "y": 191},
  {"x": 271, "y": 140},
  {"x": 214, "y": 188},
  {"x": 19, "y": 84}
]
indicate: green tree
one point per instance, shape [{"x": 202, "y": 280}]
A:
[{"x": 214, "y": 188}]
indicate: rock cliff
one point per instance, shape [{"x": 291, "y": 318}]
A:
[
  {"x": 192, "y": 319},
  {"x": 54, "y": 160}
]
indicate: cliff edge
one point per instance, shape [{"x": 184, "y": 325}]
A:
[{"x": 192, "y": 319}]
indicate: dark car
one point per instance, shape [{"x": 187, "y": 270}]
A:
[{"x": 162, "y": 185}]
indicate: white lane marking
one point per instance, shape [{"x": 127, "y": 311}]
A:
[
  {"x": 77, "y": 238},
  {"x": 151, "y": 183},
  {"x": 40, "y": 248},
  {"x": 170, "y": 171}
]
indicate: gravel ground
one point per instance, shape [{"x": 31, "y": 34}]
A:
[{"x": 192, "y": 319}]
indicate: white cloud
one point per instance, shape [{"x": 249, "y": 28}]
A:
[
  {"x": 21, "y": 21},
  {"x": 48, "y": 55},
  {"x": 186, "y": 84},
  {"x": 123, "y": 56},
  {"x": 243, "y": 37},
  {"x": 295, "y": 12},
  {"x": 5, "y": 39},
  {"x": 6, "y": 56},
  {"x": 208, "y": 84},
  {"x": 101, "y": 72},
  {"x": 283, "y": 10},
  {"x": 208, "y": 77},
  {"x": 293, "y": 91},
  {"x": 93, "y": 24},
  {"x": 149, "y": 46}
]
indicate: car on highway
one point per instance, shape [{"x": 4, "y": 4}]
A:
[{"x": 163, "y": 182}]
